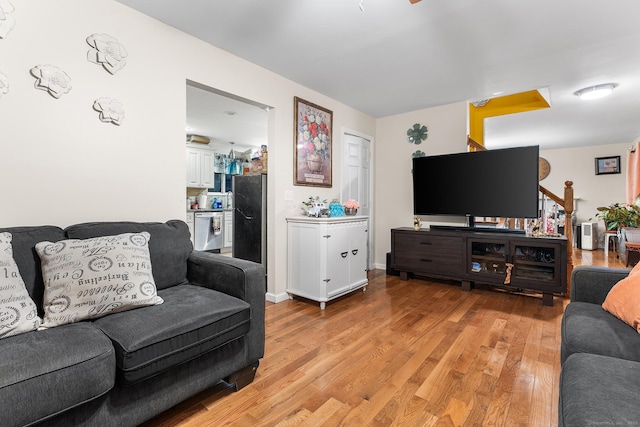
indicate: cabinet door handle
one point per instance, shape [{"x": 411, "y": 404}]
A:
[
  {"x": 426, "y": 243},
  {"x": 354, "y": 252},
  {"x": 344, "y": 254},
  {"x": 326, "y": 236},
  {"x": 425, "y": 260}
]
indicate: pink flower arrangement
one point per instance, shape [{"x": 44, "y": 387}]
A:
[
  {"x": 313, "y": 132},
  {"x": 351, "y": 204}
]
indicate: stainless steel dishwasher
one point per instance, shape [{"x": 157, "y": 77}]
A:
[{"x": 208, "y": 231}]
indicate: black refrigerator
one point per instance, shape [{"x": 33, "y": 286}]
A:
[{"x": 250, "y": 218}]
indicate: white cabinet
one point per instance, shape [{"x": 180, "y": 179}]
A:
[
  {"x": 327, "y": 257},
  {"x": 199, "y": 168},
  {"x": 190, "y": 224},
  {"x": 228, "y": 229}
]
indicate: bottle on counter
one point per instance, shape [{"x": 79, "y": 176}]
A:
[{"x": 215, "y": 203}]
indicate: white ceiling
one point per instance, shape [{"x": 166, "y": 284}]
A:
[
  {"x": 230, "y": 123},
  {"x": 395, "y": 57}
]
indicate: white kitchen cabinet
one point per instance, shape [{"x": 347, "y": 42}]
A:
[
  {"x": 228, "y": 229},
  {"x": 190, "y": 224},
  {"x": 199, "y": 168},
  {"x": 327, "y": 257}
]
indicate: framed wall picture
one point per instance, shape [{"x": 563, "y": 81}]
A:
[
  {"x": 313, "y": 126},
  {"x": 607, "y": 165}
]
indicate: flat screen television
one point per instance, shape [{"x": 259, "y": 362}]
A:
[{"x": 492, "y": 183}]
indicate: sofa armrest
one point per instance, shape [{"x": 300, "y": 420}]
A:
[
  {"x": 240, "y": 278},
  {"x": 592, "y": 284}
]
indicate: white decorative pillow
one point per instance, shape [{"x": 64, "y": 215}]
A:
[
  {"x": 18, "y": 312},
  {"x": 90, "y": 278}
]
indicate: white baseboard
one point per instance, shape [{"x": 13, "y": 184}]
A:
[
  {"x": 380, "y": 266},
  {"x": 276, "y": 298}
]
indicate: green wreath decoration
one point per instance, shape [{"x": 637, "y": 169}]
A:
[{"x": 417, "y": 134}]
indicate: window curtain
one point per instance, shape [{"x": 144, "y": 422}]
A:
[{"x": 633, "y": 173}]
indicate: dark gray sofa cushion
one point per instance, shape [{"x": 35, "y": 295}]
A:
[
  {"x": 23, "y": 242},
  {"x": 46, "y": 372},
  {"x": 597, "y": 391},
  {"x": 592, "y": 284},
  {"x": 169, "y": 245},
  {"x": 588, "y": 328},
  {"x": 192, "y": 321}
]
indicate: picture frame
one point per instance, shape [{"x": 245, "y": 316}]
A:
[
  {"x": 607, "y": 165},
  {"x": 313, "y": 143}
]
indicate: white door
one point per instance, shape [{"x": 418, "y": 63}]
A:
[
  {"x": 356, "y": 171},
  {"x": 356, "y": 177}
]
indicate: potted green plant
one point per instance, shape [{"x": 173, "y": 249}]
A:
[
  {"x": 623, "y": 218},
  {"x": 618, "y": 215}
]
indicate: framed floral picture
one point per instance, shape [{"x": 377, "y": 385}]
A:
[{"x": 313, "y": 126}]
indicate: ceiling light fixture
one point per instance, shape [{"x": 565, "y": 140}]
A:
[
  {"x": 480, "y": 103},
  {"x": 595, "y": 92}
]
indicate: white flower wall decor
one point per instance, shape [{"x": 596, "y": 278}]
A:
[
  {"x": 52, "y": 79},
  {"x": 4, "y": 84},
  {"x": 110, "y": 109},
  {"x": 106, "y": 51},
  {"x": 7, "y": 21}
]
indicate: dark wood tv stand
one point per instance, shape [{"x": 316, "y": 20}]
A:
[{"x": 535, "y": 264}]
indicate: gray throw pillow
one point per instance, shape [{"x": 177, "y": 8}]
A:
[
  {"x": 91, "y": 278},
  {"x": 18, "y": 312}
]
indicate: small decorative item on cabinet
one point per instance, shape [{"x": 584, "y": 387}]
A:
[
  {"x": 335, "y": 209},
  {"x": 315, "y": 207},
  {"x": 416, "y": 223},
  {"x": 351, "y": 207}
]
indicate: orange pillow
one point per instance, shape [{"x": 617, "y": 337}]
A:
[{"x": 623, "y": 300}]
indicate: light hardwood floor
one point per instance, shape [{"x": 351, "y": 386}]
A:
[{"x": 412, "y": 353}]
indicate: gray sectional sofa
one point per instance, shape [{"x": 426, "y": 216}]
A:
[
  {"x": 127, "y": 367},
  {"x": 600, "y": 356}
]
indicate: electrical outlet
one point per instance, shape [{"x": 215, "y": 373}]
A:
[{"x": 288, "y": 195}]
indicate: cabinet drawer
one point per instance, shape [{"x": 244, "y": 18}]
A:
[
  {"x": 426, "y": 243},
  {"x": 428, "y": 254},
  {"x": 425, "y": 263}
]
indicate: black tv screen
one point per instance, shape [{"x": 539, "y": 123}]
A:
[{"x": 492, "y": 183}]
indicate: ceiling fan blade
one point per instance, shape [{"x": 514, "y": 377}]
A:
[{"x": 414, "y": 1}]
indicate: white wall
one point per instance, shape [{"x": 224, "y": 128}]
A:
[
  {"x": 591, "y": 190},
  {"x": 61, "y": 165},
  {"x": 393, "y": 185}
]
